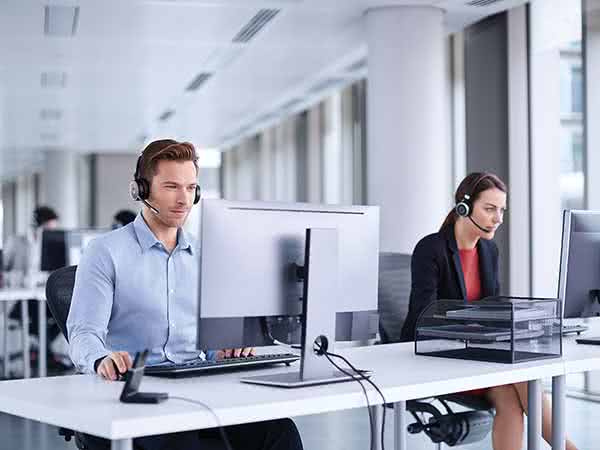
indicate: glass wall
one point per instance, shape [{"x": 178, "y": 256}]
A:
[
  {"x": 316, "y": 155},
  {"x": 571, "y": 119}
]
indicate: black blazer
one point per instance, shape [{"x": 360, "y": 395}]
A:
[{"x": 437, "y": 274}]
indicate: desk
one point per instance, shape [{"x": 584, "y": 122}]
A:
[
  {"x": 89, "y": 404},
  {"x": 24, "y": 294}
]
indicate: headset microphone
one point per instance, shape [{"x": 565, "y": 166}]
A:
[
  {"x": 152, "y": 208},
  {"x": 485, "y": 230}
]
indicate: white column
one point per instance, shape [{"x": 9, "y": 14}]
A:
[
  {"x": 409, "y": 163},
  {"x": 545, "y": 126},
  {"x": 314, "y": 177},
  {"x": 518, "y": 160},
  {"x": 60, "y": 180}
]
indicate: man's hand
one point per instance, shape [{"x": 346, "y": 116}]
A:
[
  {"x": 116, "y": 361},
  {"x": 236, "y": 353}
]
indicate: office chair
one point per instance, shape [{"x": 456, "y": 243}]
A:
[
  {"x": 59, "y": 290},
  {"x": 442, "y": 426}
]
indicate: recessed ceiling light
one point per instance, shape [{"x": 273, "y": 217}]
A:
[
  {"x": 48, "y": 136},
  {"x": 166, "y": 115},
  {"x": 53, "y": 79},
  {"x": 61, "y": 20},
  {"x": 200, "y": 79},
  {"x": 50, "y": 114},
  {"x": 257, "y": 23}
]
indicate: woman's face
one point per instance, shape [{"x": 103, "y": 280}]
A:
[{"x": 488, "y": 211}]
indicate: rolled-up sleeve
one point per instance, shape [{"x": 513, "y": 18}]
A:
[{"x": 91, "y": 306}]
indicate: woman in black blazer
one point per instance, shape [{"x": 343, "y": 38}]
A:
[{"x": 461, "y": 262}]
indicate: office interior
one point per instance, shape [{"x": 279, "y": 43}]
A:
[{"x": 345, "y": 102}]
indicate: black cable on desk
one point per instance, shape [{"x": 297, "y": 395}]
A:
[
  {"x": 208, "y": 408},
  {"x": 371, "y": 424},
  {"x": 361, "y": 373}
]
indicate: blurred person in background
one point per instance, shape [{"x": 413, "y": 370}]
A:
[{"x": 22, "y": 262}]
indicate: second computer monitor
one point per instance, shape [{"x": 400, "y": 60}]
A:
[
  {"x": 579, "y": 280},
  {"x": 250, "y": 254}
]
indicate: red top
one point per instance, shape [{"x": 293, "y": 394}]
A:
[{"x": 469, "y": 261}]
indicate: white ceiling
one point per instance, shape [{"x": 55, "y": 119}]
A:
[{"x": 130, "y": 61}]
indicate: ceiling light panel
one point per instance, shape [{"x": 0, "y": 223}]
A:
[
  {"x": 200, "y": 79},
  {"x": 50, "y": 114},
  {"x": 257, "y": 23},
  {"x": 53, "y": 80},
  {"x": 482, "y": 2},
  {"x": 61, "y": 20},
  {"x": 166, "y": 115}
]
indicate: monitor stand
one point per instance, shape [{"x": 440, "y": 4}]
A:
[{"x": 319, "y": 309}]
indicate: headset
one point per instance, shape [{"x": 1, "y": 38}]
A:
[
  {"x": 139, "y": 188},
  {"x": 464, "y": 208}
]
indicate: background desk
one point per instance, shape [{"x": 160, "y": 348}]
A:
[
  {"x": 90, "y": 404},
  {"x": 24, "y": 294}
]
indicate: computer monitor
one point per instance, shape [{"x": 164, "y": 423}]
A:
[
  {"x": 254, "y": 263},
  {"x": 61, "y": 248},
  {"x": 579, "y": 279},
  {"x": 54, "y": 250}
]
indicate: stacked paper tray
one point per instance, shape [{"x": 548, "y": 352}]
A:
[{"x": 500, "y": 314}]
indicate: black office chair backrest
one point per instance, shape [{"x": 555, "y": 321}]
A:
[
  {"x": 394, "y": 294},
  {"x": 59, "y": 290}
]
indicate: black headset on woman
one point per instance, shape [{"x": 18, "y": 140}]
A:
[{"x": 464, "y": 208}]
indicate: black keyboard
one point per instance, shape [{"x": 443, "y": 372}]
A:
[{"x": 199, "y": 367}]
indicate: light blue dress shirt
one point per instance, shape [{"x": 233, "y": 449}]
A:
[{"x": 131, "y": 294}]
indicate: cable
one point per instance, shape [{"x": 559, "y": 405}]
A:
[
  {"x": 371, "y": 424},
  {"x": 368, "y": 380},
  {"x": 208, "y": 408}
]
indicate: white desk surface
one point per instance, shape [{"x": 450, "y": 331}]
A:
[
  {"x": 12, "y": 294},
  {"x": 89, "y": 404},
  {"x": 579, "y": 357}
]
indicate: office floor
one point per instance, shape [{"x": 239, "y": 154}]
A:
[{"x": 347, "y": 430}]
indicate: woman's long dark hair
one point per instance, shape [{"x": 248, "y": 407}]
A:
[{"x": 473, "y": 185}]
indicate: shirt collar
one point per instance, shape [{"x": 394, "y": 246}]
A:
[{"x": 147, "y": 239}]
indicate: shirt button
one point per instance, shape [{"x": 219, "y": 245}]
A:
[
  {"x": 172, "y": 291},
  {"x": 173, "y": 325}
]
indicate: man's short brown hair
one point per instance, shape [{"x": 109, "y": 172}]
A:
[{"x": 165, "y": 149}]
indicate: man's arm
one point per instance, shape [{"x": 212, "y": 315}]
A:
[{"x": 87, "y": 324}]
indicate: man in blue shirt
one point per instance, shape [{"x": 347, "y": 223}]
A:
[{"x": 136, "y": 288}]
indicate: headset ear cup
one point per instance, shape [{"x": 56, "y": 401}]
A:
[
  {"x": 143, "y": 188},
  {"x": 463, "y": 209},
  {"x": 197, "y": 195}
]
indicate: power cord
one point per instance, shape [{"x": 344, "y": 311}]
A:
[
  {"x": 368, "y": 380},
  {"x": 209, "y": 409},
  {"x": 358, "y": 380},
  {"x": 361, "y": 373}
]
